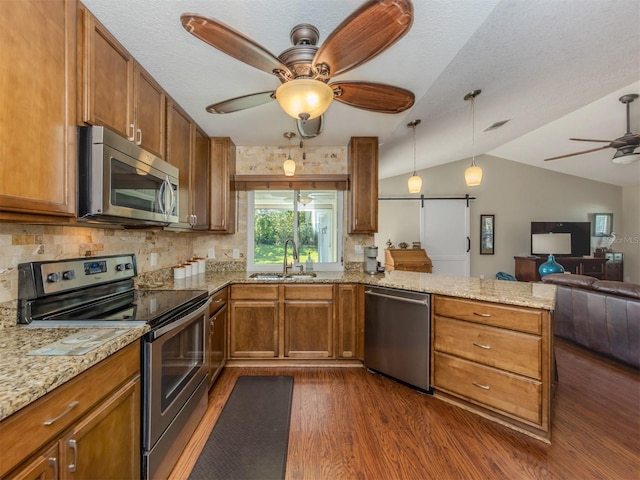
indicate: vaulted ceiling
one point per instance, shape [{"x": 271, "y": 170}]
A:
[{"x": 554, "y": 68}]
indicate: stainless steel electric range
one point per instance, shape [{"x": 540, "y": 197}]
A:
[{"x": 99, "y": 292}]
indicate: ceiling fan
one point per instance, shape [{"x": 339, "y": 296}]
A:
[
  {"x": 625, "y": 145},
  {"x": 368, "y": 31}
]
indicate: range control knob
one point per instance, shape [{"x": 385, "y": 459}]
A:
[
  {"x": 68, "y": 275},
  {"x": 128, "y": 266},
  {"x": 53, "y": 277},
  {"x": 120, "y": 267}
]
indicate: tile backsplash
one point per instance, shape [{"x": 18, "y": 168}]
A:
[{"x": 29, "y": 243}]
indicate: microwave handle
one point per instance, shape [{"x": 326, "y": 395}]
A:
[
  {"x": 172, "y": 204},
  {"x": 161, "y": 197}
]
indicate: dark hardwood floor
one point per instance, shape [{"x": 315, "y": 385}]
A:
[{"x": 348, "y": 423}]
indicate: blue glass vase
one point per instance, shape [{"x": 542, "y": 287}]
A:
[{"x": 550, "y": 266}]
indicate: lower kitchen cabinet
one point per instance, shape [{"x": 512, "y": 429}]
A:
[
  {"x": 218, "y": 319},
  {"x": 296, "y": 321},
  {"x": 308, "y": 321},
  {"x": 253, "y": 321},
  {"x": 86, "y": 428},
  {"x": 350, "y": 321},
  {"x": 494, "y": 359}
]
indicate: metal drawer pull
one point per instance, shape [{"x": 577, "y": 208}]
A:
[
  {"x": 53, "y": 463},
  {"x": 71, "y": 406},
  {"x": 484, "y": 387},
  {"x": 219, "y": 300},
  {"x": 486, "y": 347},
  {"x": 73, "y": 445},
  {"x": 482, "y": 314}
]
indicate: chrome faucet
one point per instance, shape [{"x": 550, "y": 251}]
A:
[{"x": 286, "y": 267}]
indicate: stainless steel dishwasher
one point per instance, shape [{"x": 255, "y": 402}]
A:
[{"x": 397, "y": 334}]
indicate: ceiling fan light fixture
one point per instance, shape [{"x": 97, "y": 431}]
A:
[
  {"x": 625, "y": 156},
  {"x": 304, "y": 98}
]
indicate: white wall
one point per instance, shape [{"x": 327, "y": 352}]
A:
[{"x": 516, "y": 194}]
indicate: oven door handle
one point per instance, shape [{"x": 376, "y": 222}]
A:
[{"x": 155, "y": 334}]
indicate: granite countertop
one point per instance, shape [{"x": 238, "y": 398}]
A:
[
  {"x": 25, "y": 378},
  {"x": 524, "y": 294}
]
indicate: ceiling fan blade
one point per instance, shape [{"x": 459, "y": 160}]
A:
[
  {"x": 577, "y": 153},
  {"x": 368, "y": 31},
  {"x": 375, "y": 97},
  {"x": 590, "y": 140},
  {"x": 232, "y": 42},
  {"x": 241, "y": 103}
]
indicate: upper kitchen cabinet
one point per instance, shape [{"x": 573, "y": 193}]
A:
[
  {"x": 37, "y": 111},
  {"x": 115, "y": 91},
  {"x": 188, "y": 150},
  {"x": 222, "y": 216},
  {"x": 363, "y": 175}
]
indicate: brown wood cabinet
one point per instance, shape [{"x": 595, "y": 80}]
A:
[
  {"x": 253, "y": 321},
  {"x": 494, "y": 359},
  {"x": 38, "y": 111},
  {"x": 218, "y": 320},
  {"x": 614, "y": 268},
  {"x": 115, "y": 91},
  {"x": 222, "y": 207},
  {"x": 350, "y": 321},
  {"x": 188, "y": 150},
  {"x": 94, "y": 426},
  {"x": 308, "y": 321},
  {"x": 410, "y": 260},
  {"x": 527, "y": 267},
  {"x": 363, "y": 177}
]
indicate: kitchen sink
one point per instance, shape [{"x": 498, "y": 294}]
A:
[
  {"x": 266, "y": 276},
  {"x": 280, "y": 276}
]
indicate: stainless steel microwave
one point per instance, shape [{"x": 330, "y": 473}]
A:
[{"x": 120, "y": 183}]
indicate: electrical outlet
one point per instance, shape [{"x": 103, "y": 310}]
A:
[
  {"x": 236, "y": 253},
  {"x": 153, "y": 259},
  {"x": 359, "y": 250},
  {"x": 211, "y": 253}
]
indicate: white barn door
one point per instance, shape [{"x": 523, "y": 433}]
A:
[{"x": 444, "y": 233}]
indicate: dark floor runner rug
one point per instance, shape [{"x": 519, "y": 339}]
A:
[{"x": 251, "y": 437}]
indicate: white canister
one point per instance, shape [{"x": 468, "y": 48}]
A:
[
  {"x": 202, "y": 265},
  {"x": 179, "y": 272},
  {"x": 188, "y": 271}
]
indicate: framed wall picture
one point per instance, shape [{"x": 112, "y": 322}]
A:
[{"x": 487, "y": 230}]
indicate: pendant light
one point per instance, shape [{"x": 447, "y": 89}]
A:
[
  {"x": 415, "y": 182},
  {"x": 473, "y": 174},
  {"x": 289, "y": 165}
]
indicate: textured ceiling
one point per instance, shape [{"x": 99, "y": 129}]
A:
[{"x": 536, "y": 61}]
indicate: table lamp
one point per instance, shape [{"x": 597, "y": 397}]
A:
[{"x": 550, "y": 244}]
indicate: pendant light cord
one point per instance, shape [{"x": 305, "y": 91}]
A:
[
  {"x": 473, "y": 131},
  {"x": 414, "y": 149}
]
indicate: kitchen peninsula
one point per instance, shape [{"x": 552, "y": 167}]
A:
[{"x": 491, "y": 310}]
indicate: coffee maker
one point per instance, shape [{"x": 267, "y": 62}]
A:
[{"x": 371, "y": 259}]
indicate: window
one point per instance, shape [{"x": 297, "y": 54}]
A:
[{"x": 312, "y": 218}]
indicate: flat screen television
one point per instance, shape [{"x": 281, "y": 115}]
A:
[{"x": 580, "y": 235}]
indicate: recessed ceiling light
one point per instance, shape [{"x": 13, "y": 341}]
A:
[{"x": 495, "y": 125}]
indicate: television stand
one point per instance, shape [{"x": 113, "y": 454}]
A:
[{"x": 527, "y": 267}]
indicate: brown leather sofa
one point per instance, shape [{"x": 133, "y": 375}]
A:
[{"x": 601, "y": 315}]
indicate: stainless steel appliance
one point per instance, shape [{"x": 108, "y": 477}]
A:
[
  {"x": 119, "y": 182},
  {"x": 397, "y": 335},
  {"x": 371, "y": 259},
  {"x": 99, "y": 291}
]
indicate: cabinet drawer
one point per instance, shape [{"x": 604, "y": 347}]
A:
[
  {"x": 308, "y": 292},
  {"x": 514, "y": 318},
  {"x": 218, "y": 300},
  {"x": 24, "y": 432},
  {"x": 505, "y": 349},
  {"x": 504, "y": 392},
  {"x": 254, "y": 292}
]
